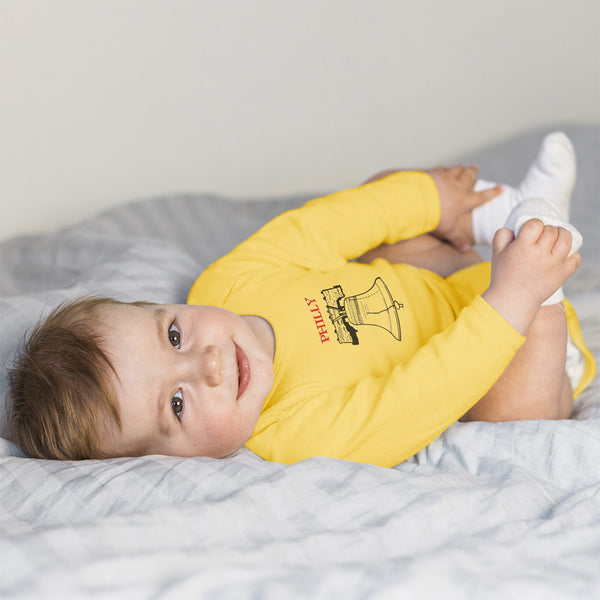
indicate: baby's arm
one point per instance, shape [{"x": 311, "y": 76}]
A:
[
  {"x": 525, "y": 271},
  {"x": 528, "y": 269},
  {"x": 328, "y": 231}
]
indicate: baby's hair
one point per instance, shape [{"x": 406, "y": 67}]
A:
[{"x": 60, "y": 387}]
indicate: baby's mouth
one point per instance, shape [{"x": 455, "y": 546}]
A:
[{"x": 243, "y": 371}]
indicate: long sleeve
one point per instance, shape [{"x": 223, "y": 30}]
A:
[{"x": 328, "y": 231}]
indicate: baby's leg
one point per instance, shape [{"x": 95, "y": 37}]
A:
[
  {"x": 426, "y": 252},
  {"x": 535, "y": 384}
]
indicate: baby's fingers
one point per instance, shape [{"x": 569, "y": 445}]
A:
[
  {"x": 531, "y": 231},
  {"x": 502, "y": 238},
  {"x": 563, "y": 243},
  {"x": 470, "y": 173},
  {"x": 549, "y": 238},
  {"x": 572, "y": 263},
  {"x": 479, "y": 198},
  {"x": 457, "y": 170}
]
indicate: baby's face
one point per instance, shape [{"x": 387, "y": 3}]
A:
[{"x": 191, "y": 379}]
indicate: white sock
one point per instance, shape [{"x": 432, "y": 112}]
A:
[
  {"x": 551, "y": 176},
  {"x": 534, "y": 208}
]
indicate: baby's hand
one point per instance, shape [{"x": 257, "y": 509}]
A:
[
  {"x": 528, "y": 269},
  {"x": 457, "y": 199}
]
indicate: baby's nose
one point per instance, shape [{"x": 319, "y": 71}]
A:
[{"x": 212, "y": 366}]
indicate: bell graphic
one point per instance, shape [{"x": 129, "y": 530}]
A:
[{"x": 375, "y": 307}]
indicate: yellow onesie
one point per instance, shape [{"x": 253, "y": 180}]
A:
[{"x": 372, "y": 362}]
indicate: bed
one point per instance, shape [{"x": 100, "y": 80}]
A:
[{"x": 485, "y": 511}]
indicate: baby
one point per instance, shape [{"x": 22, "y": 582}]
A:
[{"x": 290, "y": 346}]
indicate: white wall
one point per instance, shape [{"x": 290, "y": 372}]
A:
[{"x": 103, "y": 101}]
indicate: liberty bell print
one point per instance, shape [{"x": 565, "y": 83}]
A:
[{"x": 375, "y": 307}]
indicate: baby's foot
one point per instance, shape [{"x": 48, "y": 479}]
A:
[
  {"x": 552, "y": 174},
  {"x": 551, "y": 177}
]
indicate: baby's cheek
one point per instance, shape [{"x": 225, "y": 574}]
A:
[{"x": 224, "y": 432}]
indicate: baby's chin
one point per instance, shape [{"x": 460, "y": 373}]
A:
[{"x": 224, "y": 453}]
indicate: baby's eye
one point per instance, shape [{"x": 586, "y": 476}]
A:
[
  {"x": 174, "y": 335},
  {"x": 177, "y": 403}
]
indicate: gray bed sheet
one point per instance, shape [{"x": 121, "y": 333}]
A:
[{"x": 506, "y": 510}]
